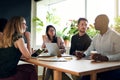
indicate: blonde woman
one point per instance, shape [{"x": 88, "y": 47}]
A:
[
  {"x": 13, "y": 47},
  {"x": 26, "y": 36}
]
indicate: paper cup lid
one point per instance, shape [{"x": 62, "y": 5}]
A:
[{"x": 93, "y": 51}]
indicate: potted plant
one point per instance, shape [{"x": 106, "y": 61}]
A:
[{"x": 68, "y": 31}]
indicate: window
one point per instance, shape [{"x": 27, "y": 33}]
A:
[
  {"x": 119, "y": 7},
  {"x": 72, "y": 10},
  {"x": 96, "y": 7}
]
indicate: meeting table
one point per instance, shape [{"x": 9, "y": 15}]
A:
[{"x": 71, "y": 65}]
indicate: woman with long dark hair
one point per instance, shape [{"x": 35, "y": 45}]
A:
[{"x": 52, "y": 38}]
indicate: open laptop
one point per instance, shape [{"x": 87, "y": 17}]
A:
[{"x": 53, "y": 49}]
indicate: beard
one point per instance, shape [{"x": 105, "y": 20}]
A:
[{"x": 82, "y": 31}]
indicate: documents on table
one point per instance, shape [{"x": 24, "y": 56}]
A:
[{"x": 53, "y": 59}]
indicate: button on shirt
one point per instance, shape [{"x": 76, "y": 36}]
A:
[{"x": 107, "y": 44}]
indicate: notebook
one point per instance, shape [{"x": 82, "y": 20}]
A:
[
  {"x": 53, "y": 59},
  {"x": 53, "y": 49}
]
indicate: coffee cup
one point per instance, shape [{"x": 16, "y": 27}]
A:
[{"x": 92, "y": 53}]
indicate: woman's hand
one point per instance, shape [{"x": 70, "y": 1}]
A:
[{"x": 62, "y": 51}]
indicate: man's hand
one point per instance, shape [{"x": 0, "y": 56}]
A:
[
  {"x": 79, "y": 55},
  {"x": 99, "y": 57}
]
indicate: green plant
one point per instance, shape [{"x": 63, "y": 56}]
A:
[
  {"x": 51, "y": 18},
  {"x": 73, "y": 28},
  {"x": 70, "y": 30},
  {"x": 39, "y": 23},
  {"x": 91, "y": 31},
  {"x": 65, "y": 37},
  {"x": 117, "y": 24}
]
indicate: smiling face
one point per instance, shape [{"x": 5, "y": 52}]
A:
[{"x": 82, "y": 26}]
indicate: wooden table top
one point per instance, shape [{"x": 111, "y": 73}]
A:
[{"x": 76, "y": 67}]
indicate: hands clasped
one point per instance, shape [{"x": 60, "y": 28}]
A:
[{"x": 79, "y": 54}]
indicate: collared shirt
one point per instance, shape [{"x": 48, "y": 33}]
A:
[{"x": 107, "y": 44}]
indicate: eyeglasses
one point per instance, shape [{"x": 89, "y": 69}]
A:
[{"x": 51, "y": 30}]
